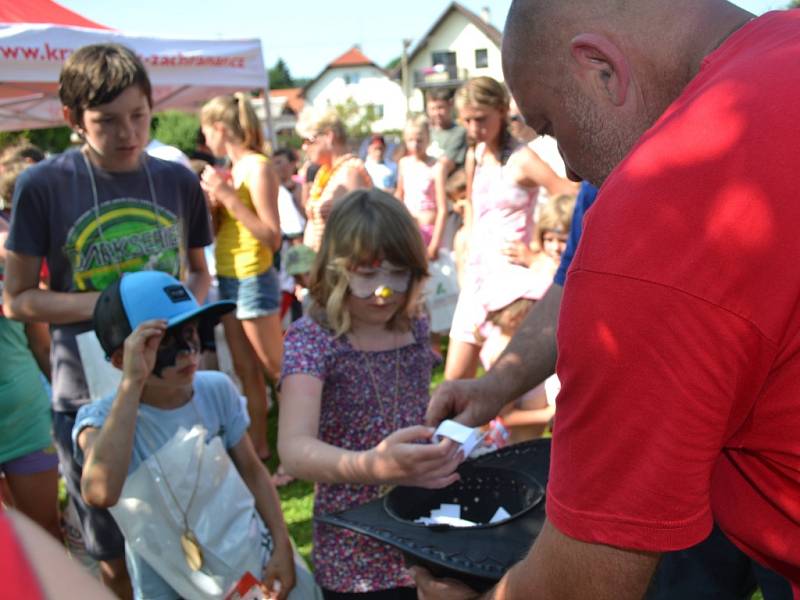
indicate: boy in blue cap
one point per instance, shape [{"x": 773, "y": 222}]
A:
[{"x": 149, "y": 324}]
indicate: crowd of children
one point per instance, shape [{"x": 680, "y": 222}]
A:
[{"x": 122, "y": 236}]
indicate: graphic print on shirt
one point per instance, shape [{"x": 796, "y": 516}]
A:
[{"x": 121, "y": 236}]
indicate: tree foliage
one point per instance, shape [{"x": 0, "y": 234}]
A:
[
  {"x": 357, "y": 119},
  {"x": 794, "y": 4},
  {"x": 279, "y": 76},
  {"x": 50, "y": 139},
  {"x": 176, "y": 128}
]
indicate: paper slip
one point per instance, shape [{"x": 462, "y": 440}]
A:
[
  {"x": 450, "y": 514},
  {"x": 500, "y": 515},
  {"x": 468, "y": 437}
]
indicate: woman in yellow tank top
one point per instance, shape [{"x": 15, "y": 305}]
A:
[{"x": 244, "y": 203}]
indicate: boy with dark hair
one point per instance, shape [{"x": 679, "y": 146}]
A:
[
  {"x": 448, "y": 140},
  {"x": 94, "y": 213},
  {"x": 149, "y": 325}
]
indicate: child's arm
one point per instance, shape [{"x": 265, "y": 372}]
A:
[
  {"x": 262, "y": 181},
  {"x": 198, "y": 279},
  {"x": 400, "y": 190},
  {"x": 537, "y": 172},
  {"x": 440, "y": 180},
  {"x": 469, "y": 169},
  {"x": 24, "y": 300},
  {"x": 395, "y": 460},
  {"x": 281, "y": 564},
  {"x": 108, "y": 449}
]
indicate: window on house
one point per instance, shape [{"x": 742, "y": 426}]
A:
[
  {"x": 378, "y": 108},
  {"x": 447, "y": 59},
  {"x": 351, "y": 78},
  {"x": 481, "y": 58}
]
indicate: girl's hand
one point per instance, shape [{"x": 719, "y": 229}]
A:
[
  {"x": 519, "y": 253},
  {"x": 433, "y": 252},
  {"x": 140, "y": 349},
  {"x": 279, "y": 574},
  {"x": 216, "y": 183},
  {"x": 397, "y": 460}
]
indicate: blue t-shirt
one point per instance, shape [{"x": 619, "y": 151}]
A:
[
  {"x": 586, "y": 198},
  {"x": 216, "y": 405}
]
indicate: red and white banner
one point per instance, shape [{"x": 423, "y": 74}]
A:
[{"x": 184, "y": 73}]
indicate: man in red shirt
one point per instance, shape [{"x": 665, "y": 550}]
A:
[{"x": 679, "y": 333}]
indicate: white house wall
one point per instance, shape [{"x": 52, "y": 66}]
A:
[
  {"x": 457, "y": 34},
  {"x": 368, "y": 85}
]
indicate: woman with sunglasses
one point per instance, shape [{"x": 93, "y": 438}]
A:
[{"x": 325, "y": 144}]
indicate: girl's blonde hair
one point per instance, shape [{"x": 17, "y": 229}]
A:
[
  {"x": 418, "y": 123},
  {"x": 365, "y": 226},
  {"x": 237, "y": 114},
  {"x": 556, "y": 215}
]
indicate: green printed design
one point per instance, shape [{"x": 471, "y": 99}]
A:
[{"x": 128, "y": 235}]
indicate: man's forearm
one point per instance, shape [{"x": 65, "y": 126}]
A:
[
  {"x": 530, "y": 356},
  {"x": 559, "y": 567}
]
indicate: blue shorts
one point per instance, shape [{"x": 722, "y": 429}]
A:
[
  {"x": 255, "y": 297},
  {"x": 101, "y": 535},
  {"x": 34, "y": 462}
]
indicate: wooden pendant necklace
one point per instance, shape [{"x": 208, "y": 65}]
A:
[{"x": 192, "y": 551}]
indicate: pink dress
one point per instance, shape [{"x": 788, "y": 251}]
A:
[
  {"x": 502, "y": 213},
  {"x": 419, "y": 191}
]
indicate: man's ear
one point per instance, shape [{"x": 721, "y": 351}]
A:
[
  {"x": 602, "y": 66},
  {"x": 116, "y": 358}
]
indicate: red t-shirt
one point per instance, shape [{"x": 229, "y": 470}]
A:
[
  {"x": 16, "y": 576},
  {"x": 679, "y": 335}
]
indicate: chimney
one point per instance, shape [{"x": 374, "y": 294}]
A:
[{"x": 486, "y": 15}]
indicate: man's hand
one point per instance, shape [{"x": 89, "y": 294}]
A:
[
  {"x": 430, "y": 588},
  {"x": 399, "y": 460},
  {"x": 140, "y": 349},
  {"x": 472, "y": 402}
]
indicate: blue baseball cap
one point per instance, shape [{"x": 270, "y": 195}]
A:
[{"x": 145, "y": 295}]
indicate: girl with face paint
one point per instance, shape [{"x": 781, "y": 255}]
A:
[{"x": 355, "y": 380}]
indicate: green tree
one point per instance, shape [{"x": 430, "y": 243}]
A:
[
  {"x": 794, "y": 4},
  {"x": 357, "y": 119},
  {"x": 176, "y": 129},
  {"x": 394, "y": 63},
  {"x": 49, "y": 139},
  {"x": 279, "y": 76}
]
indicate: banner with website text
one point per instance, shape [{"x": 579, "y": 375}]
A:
[{"x": 184, "y": 72}]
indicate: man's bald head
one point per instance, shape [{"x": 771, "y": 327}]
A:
[{"x": 600, "y": 72}]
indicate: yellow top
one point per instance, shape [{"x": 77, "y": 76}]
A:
[{"x": 239, "y": 254}]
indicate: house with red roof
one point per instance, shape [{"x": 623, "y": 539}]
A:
[
  {"x": 459, "y": 45},
  {"x": 354, "y": 77}
]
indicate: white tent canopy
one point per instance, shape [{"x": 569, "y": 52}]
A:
[{"x": 184, "y": 73}]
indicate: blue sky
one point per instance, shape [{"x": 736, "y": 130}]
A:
[{"x": 307, "y": 34}]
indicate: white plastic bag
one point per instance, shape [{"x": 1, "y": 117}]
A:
[
  {"x": 101, "y": 377},
  {"x": 441, "y": 292},
  {"x": 222, "y": 516}
]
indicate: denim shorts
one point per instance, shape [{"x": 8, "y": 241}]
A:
[{"x": 255, "y": 297}]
